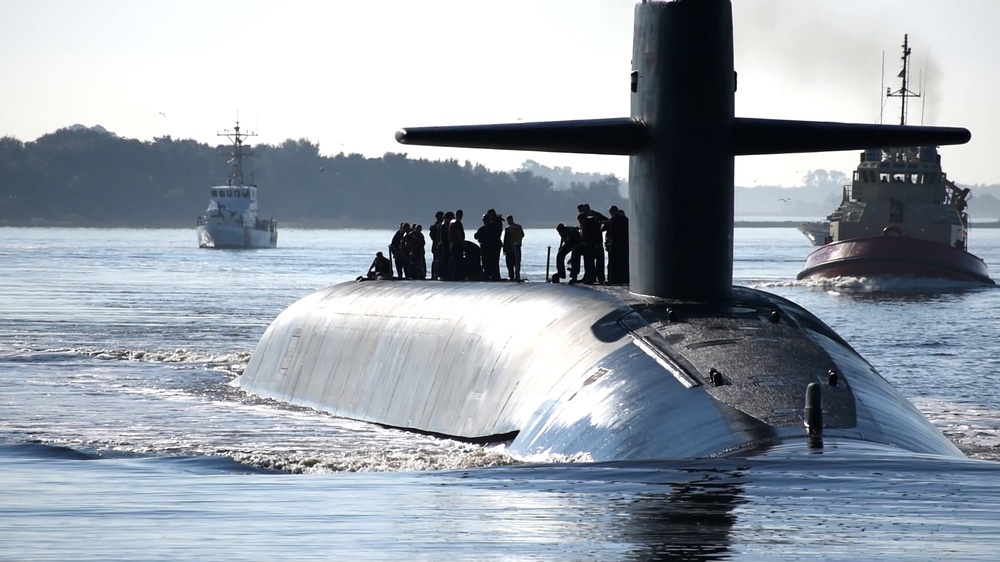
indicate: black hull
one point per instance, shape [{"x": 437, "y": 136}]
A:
[{"x": 578, "y": 371}]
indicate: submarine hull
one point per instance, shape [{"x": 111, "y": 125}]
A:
[
  {"x": 595, "y": 374},
  {"x": 680, "y": 365}
]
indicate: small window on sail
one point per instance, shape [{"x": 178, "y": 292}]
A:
[
  {"x": 215, "y": 193},
  {"x": 246, "y": 193},
  {"x": 229, "y": 193}
]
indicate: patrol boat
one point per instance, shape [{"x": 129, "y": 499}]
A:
[
  {"x": 901, "y": 215},
  {"x": 231, "y": 219}
]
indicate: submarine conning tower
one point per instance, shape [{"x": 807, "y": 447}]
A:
[{"x": 681, "y": 137}]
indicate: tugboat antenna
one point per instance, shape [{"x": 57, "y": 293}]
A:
[
  {"x": 881, "y": 101},
  {"x": 923, "y": 89},
  {"x": 903, "y": 93}
]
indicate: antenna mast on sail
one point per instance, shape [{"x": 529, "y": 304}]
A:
[{"x": 903, "y": 93}]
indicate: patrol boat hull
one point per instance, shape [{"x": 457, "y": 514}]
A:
[{"x": 222, "y": 236}]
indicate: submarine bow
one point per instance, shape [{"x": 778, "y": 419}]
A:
[{"x": 680, "y": 364}]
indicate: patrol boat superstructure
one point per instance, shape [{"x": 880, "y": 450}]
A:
[
  {"x": 231, "y": 219},
  {"x": 818, "y": 232},
  {"x": 680, "y": 365},
  {"x": 901, "y": 215}
]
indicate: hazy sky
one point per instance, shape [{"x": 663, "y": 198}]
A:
[{"x": 347, "y": 73}]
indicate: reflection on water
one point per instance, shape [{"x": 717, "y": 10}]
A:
[
  {"x": 749, "y": 509},
  {"x": 761, "y": 509},
  {"x": 694, "y": 522}
]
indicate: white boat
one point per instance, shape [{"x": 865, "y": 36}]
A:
[
  {"x": 818, "y": 232},
  {"x": 231, "y": 219}
]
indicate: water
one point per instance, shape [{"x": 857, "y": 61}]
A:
[{"x": 121, "y": 438}]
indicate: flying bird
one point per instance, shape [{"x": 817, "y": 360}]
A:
[
  {"x": 163, "y": 114},
  {"x": 784, "y": 199}
]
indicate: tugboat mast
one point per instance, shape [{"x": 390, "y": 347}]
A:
[{"x": 904, "y": 92}]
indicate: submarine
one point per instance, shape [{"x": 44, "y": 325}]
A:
[{"x": 679, "y": 364}]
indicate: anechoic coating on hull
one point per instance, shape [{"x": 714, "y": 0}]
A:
[
  {"x": 452, "y": 359},
  {"x": 575, "y": 370}
]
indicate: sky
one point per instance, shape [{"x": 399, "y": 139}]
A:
[{"x": 346, "y": 74}]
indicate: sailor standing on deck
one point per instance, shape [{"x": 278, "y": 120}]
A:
[
  {"x": 596, "y": 242},
  {"x": 434, "y": 232},
  {"x": 396, "y": 248},
  {"x": 513, "y": 235},
  {"x": 617, "y": 244},
  {"x": 589, "y": 247},
  {"x": 444, "y": 248},
  {"x": 415, "y": 253},
  {"x": 456, "y": 240},
  {"x": 489, "y": 236}
]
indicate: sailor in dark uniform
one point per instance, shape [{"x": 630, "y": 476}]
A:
[{"x": 569, "y": 239}]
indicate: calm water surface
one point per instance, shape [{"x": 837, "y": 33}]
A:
[{"x": 121, "y": 438}]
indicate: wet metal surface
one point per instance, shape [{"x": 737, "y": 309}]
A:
[{"x": 575, "y": 370}]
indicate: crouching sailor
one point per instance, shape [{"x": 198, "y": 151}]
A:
[{"x": 381, "y": 268}]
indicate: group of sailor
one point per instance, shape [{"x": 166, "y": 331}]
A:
[
  {"x": 407, "y": 249},
  {"x": 587, "y": 243},
  {"x": 454, "y": 258}
]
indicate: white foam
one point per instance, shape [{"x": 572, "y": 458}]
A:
[
  {"x": 878, "y": 284},
  {"x": 455, "y": 457},
  {"x": 232, "y": 363}
]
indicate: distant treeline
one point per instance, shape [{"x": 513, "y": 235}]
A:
[
  {"x": 81, "y": 176},
  {"x": 86, "y": 177}
]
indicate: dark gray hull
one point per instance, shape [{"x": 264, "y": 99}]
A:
[
  {"x": 702, "y": 369},
  {"x": 595, "y": 374}
]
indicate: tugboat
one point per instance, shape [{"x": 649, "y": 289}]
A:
[
  {"x": 901, "y": 215},
  {"x": 231, "y": 218}
]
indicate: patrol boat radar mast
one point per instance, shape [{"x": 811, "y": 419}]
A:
[{"x": 682, "y": 364}]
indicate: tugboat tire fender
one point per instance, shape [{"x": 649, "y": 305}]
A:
[{"x": 893, "y": 231}]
